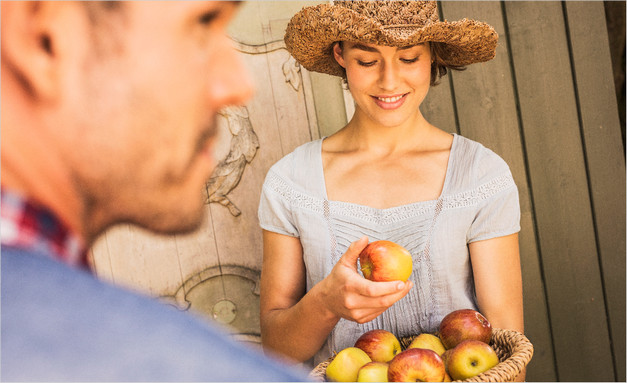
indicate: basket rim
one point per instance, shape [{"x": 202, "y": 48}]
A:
[{"x": 507, "y": 369}]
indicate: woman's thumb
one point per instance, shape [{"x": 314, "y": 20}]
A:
[{"x": 353, "y": 251}]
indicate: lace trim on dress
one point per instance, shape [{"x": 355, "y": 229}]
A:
[
  {"x": 467, "y": 198},
  {"x": 480, "y": 193},
  {"x": 299, "y": 199}
]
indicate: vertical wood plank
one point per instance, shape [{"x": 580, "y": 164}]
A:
[
  {"x": 101, "y": 261},
  {"x": 486, "y": 105},
  {"x": 560, "y": 190},
  {"x": 438, "y": 108},
  {"x": 604, "y": 155},
  {"x": 238, "y": 239}
]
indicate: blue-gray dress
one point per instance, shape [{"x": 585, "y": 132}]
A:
[{"x": 479, "y": 201}]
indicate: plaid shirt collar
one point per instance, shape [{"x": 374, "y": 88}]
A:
[{"x": 30, "y": 226}]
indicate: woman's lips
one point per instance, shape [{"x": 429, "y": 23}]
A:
[{"x": 390, "y": 102}]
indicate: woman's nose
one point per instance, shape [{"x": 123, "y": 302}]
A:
[{"x": 388, "y": 77}]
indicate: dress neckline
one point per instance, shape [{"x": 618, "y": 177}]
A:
[{"x": 410, "y": 205}]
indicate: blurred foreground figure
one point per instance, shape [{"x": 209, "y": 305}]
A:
[{"x": 108, "y": 116}]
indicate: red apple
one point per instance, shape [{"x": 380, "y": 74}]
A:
[
  {"x": 462, "y": 325},
  {"x": 380, "y": 345},
  {"x": 470, "y": 358},
  {"x": 373, "y": 372},
  {"x": 383, "y": 261},
  {"x": 416, "y": 365}
]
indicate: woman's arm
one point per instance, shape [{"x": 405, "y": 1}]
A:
[
  {"x": 295, "y": 323},
  {"x": 498, "y": 282}
]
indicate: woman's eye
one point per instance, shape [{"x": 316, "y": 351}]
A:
[
  {"x": 410, "y": 61},
  {"x": 366, "y": 63}
]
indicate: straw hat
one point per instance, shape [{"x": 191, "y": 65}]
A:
[{"x": 310, "y": 34}]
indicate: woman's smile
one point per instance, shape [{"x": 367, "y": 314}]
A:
[{"x": 390, "y": 102}]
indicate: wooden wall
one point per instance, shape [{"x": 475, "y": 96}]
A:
[{"x": 546, "y": 104}]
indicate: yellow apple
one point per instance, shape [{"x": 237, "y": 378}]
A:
[
  {"x": 429, "y": 342},
  {"x": 380, "y": 345},
  {"x": 346, "y": 364},
  {"x": 470, "y": 358},
  {"x": 373, "y": 372},
  {"x": 383, "y": 261}
]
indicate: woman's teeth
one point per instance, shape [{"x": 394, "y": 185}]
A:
[{"x": 390, "y": 99}]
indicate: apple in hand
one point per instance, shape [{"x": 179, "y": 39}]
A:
[
  {"x": 383, "y": 261},
  {"x": 429, "y": 342},
  {"x": 373, "y": 372},
  {"x": 416, "y": 365},
  {"x": 346, "y": 364},
  {"x": 380, "y": 345},
  {"x": 464, "y": 324},
  {"x": 470, "y": 358}
]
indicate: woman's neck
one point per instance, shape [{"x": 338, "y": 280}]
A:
[{"x": 362, "y": 133}]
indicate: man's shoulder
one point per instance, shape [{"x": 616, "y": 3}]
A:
[{"x": 60, "y": 323}]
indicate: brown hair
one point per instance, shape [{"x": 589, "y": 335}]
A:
[{"x": 439, "y": 67}]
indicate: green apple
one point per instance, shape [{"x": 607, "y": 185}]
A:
[
  {"x": 470, "y": 358},
  {"x": 429, "y": 342},
  {"x": 380, "y": 345},
  {"x": 346, "y": 364},
  {"x": 416, "y": 365},
  {"x": 373, "y": 372},
  {"x": 383, "y": 261}
]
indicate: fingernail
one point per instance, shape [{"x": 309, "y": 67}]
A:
[{"x": 400, "y": 286}]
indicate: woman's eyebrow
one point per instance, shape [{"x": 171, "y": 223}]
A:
[
  {"x": 410, "y": 46},
  {"x": 365, "y": 48}
]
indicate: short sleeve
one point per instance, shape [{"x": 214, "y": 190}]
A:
[
  {"x": 498, "y": 213},
  {"x": 274, "y": 211}
]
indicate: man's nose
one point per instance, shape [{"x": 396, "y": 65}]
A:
[{"x": 230, "y": 83}]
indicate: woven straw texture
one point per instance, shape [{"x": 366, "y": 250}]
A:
[
  {"x": 513, "y": 349},
  {"x": 310, "y": 34}
]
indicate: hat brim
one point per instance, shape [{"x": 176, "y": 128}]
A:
[{"x": 311, "y": 33}]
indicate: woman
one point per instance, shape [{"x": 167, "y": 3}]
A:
[{"x": 388, "y": 174}]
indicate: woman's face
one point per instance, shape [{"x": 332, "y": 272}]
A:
[{"x": 388, "y": 84}]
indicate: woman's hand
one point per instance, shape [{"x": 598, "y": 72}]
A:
[
  {"x": 346, "y": 294},
  {"x": 296, "y": 323}
]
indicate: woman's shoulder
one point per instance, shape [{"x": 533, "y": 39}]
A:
[
  {"x": 475, "y": 164},
  {"x": 302, "y": 156},
  {"x": 300, "y": 170}
]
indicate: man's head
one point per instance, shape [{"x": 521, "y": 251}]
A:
[{"x": 120, "y": 100}]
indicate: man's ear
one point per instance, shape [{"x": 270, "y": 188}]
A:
[
  {"x": 337, "y": 54},
  {"x": 29, "y": 37}
]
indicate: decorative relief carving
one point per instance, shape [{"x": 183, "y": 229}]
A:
[
  {"x": 228, "y": 294},
  {"x": 291, "y": 71},
  {"x": 243, "y": 147}
]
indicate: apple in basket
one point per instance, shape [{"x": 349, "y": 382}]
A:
[
  {"x": 470, "y": 358},
  {"x": 373, "y": 372},
  {"x": 346, "y": 364},
  {"x": 380, "y": 345},
  {"x": 464, "y": 324},
  {"x": 383, "y": 261},
  {"x": 416, "y": 365},
  {"x": 428, "y": 341}
]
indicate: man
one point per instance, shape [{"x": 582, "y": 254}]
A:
[{"x": 108, "y": 116}]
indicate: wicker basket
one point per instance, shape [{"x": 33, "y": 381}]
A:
[{"x": 513, "y": 348}]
